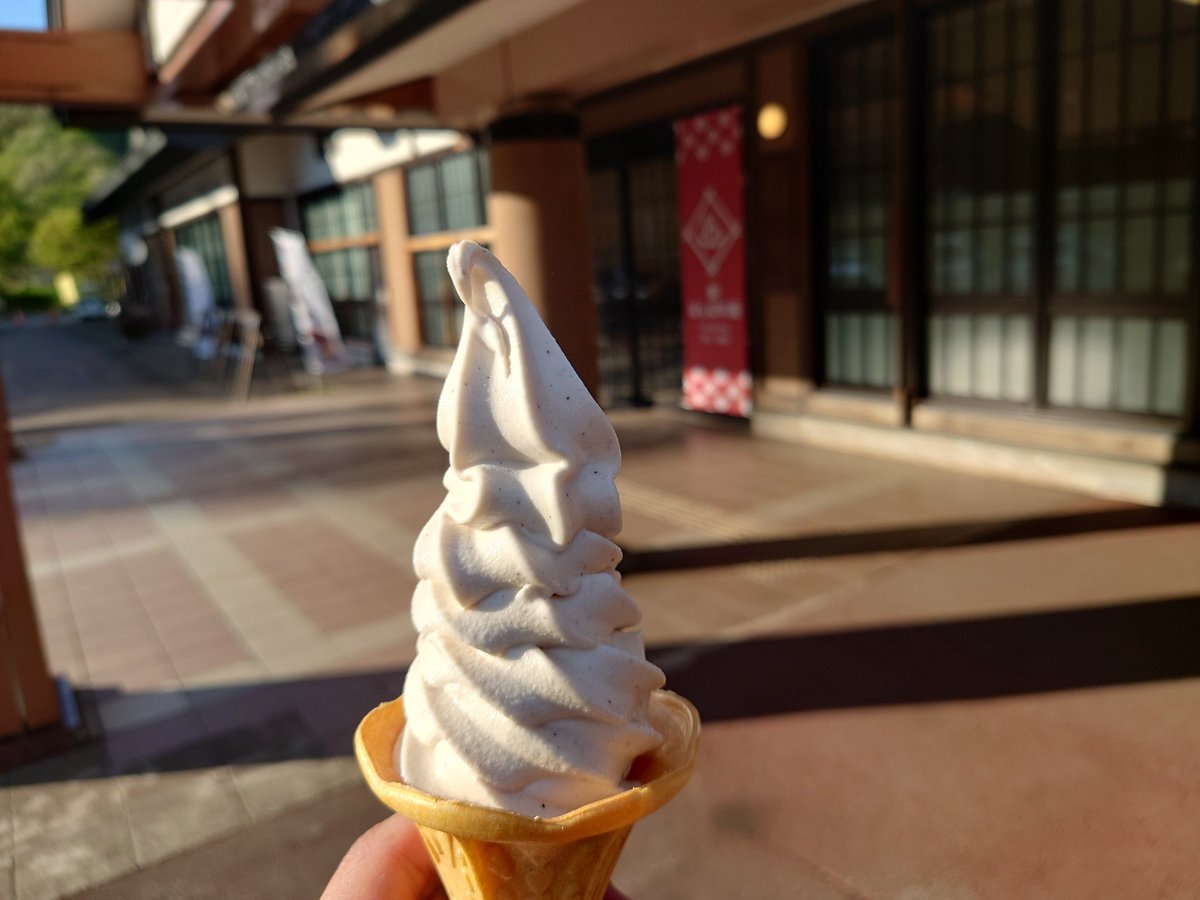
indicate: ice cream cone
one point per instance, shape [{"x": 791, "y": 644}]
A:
[{"x": 492, "y": 854}]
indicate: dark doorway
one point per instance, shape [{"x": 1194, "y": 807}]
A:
[{"x": 635, "y": 242}]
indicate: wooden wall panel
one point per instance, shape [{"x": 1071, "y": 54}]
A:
[{"x": 84, "y": 68}]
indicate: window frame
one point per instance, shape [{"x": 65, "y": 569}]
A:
[
  {"x": 858, "y": 301},
  {"x": 426, "y": 242},
  {"x": 206, "y": 235},
  {"x": 916, "y": 301},
  {"x": 338, "y": 241}
]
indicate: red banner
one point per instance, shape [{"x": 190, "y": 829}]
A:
[{"x": 712, "y": 257}]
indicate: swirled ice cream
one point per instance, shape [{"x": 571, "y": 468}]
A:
[{"x": 530, "y": 687}]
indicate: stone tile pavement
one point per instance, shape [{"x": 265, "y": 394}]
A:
[{"x": 916, "y": 683}]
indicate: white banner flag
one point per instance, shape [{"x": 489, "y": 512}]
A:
[
  {"x": 200, "y": 302},
  {"x": 312, "y": 312}
]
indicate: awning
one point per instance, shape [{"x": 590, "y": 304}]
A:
[{"x": 155, "y": 155}]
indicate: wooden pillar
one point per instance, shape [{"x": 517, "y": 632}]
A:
[
  {"x": 28, "y": 698},
  {"x": 259, "y": 216},
  {"x": 396, "y": 261},
  {"x": 780, "y": 258},
  {"x": 1191, "y": 412},
  {"x": 538, "y": 210},
  {"x": 904, "y": 246},
  {"x": 164, "y": 247},
  {"x": 1047, "y": 128},
  {"x": 234, "y": 238}
]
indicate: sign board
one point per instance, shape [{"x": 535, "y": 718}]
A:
[{"x": 712, "y": 259}]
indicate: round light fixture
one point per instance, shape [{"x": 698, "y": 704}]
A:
[{"x": 772, "y": 121}]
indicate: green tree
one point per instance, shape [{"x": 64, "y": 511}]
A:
[
  {"x": 46, "y": 172},
  {"x": 16, "y": 223},
  {"x": 62, "y": 242}
]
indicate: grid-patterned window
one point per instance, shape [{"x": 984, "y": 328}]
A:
[
  {"x": 1126, "y": 137},
  {"x": 204, "y": 236},
  {"x": 351, "y": 274},
  {"x": 859, "y": 87},
  {"x": 441, "y": 310},
  {"x": 861, "y": 124},
  {"x": 447, "y": 194},
  {"x": 981, "y": 153},
  {"x": 1124, "y": 177},
  {"x": 340, "y": 213}
]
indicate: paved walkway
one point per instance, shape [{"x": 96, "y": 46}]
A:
[{"x": 916, "y": 684}]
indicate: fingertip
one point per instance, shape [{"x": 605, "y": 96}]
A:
[{"x": 388, "y": 860}]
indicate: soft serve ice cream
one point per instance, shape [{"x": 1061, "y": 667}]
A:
[{"x": 530, "y": 687}]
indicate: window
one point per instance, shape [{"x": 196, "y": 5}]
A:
[
  {"x": 859, "y": 86},
  {"x": 448, "y": 194},
  {"x": 204, "y": 236},
  {"x": 1126, "y": 139},
  {"x": 342, "y": 231},
  {"x": 1124, "y": 176},
  {"x": 1055, "y": 164},
  {"x": 441, "y": 310},
  {"x": 340, "y": 213},
  {"x": 351, "y": 276},
  {"x": 981, "y": 152}
]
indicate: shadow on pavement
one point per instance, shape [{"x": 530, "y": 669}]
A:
[
  {"x": 954, "y": 534},
  {"x": 970, "y": 659},
  {"x": 197, "y": 728}
]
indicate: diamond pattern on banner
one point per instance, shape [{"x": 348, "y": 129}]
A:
[
  {"x": 717, "y": 390},
  {"x": 711, "y": 232},
  {"x": 702, "y": 136}
]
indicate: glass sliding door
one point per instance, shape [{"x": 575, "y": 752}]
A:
[
  {"x": 1124, "y": 175},
  {"x": 634, "y": 219},
  {"x": 856, "y": 87},
  {"x": 980, "y": 218}
]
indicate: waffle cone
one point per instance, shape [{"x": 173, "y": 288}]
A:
[{"x": 492, "y": 854}]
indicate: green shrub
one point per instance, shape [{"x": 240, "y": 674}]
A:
[{"x": 28, "y": 300}]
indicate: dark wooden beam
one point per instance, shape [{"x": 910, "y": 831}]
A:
[
  {"x": 376, "y": 31},
  {"x": 408, "y": 97},
  {"x": 904, "y": 245},
  {"x": 235, "y": 41},
  {"x": 1047, "y": 113},
  {"x": 808, "y": 361}
]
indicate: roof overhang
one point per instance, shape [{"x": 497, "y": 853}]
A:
[
  {"x": 170, "y": 62},
  {"x": 402, "y": 42},
  {"x": 491, "y": 56},
  {"x": 155, "y": 155}
]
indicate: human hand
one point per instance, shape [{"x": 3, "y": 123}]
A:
[{"x": 390, "y": 862}]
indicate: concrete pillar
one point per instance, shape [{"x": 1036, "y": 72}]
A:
[{"x": 538, "y": 212}]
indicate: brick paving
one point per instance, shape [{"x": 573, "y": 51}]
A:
[{"x": 916, "y": 683}]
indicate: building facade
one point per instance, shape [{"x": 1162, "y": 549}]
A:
[
  {"x": 970, "y": 219},
  {"x": 960, "y": 231}
]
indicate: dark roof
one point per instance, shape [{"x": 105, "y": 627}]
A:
[{"x": 157, "y": 154}]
